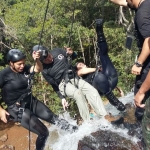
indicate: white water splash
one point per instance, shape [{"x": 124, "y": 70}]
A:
[{"x": 61, "y": 140}]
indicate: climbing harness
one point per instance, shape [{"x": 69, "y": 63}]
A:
[
  {"x": 21, "y": 103},
  {"x": 69, "y": 68}
]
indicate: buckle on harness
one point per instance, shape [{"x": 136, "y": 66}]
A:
[{"x": 21, "y": 109}]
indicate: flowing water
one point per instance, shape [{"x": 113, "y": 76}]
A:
[{"x": 61, "y": 140}]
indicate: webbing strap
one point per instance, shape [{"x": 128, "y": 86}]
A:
[
  {"x": 20, "y": 113},
  {"x": 22, "y": 106}
]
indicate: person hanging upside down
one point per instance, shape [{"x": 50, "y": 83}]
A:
[
  {"x": 104, "y": 79},
  {"x": 22, "y": 107}
]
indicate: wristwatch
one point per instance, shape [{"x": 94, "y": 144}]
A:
[{"x": 138, "y": 64}]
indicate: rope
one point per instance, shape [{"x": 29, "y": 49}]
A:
[
  {"x": 44, "y": 21},
  {"x": 32, "y": 74},
  {"x": 72, "y": 22},
  {"x": 69, "y": 58},
  {"x": 103, "y": 2}
]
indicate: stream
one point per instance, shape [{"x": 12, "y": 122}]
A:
[{"x": 99, "y": 134}]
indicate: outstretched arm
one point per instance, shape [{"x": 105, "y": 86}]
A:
[
  {"x": 120, "y": 2},
  {"x": 38, "y": 65},
  {"x": 83, "y": 71}
]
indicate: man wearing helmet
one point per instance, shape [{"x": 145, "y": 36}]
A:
[{"x": 22, "y": 107}]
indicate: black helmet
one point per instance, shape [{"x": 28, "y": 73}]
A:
[
  {"x": 15, "y": 55},
  {"x": 44, "y": 51}
]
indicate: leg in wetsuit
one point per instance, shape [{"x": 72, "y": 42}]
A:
[
  {"x": 30, "y": 119},
  {"x": 106, "y": 80}
]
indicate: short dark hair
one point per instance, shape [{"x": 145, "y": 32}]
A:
[{"x": 75, "y": 66}]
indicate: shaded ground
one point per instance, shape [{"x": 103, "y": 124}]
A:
[{"x": 14, "y": 137}]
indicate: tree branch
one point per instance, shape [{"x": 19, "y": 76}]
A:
[{"x": 1, "y": 43}]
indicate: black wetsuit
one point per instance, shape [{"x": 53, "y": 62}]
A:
[
  {"x": 142, "y": 31},
  {"x": 106, "y": 80},
  {"x": 13, "y": 86}
]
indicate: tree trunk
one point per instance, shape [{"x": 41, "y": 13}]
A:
[{"x": 82, "y": 49}]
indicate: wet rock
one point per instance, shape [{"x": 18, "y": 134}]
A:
[
  {"x": 110, "y": 140},
  {"x": 4, "y": 137},
  {"x": 107, "y": 140}
]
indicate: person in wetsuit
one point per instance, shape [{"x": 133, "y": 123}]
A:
[
  {"x": 22, "y": 106},
  {"x": 104, "y": 79}
]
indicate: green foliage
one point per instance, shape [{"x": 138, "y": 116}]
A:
[{"x": 24, "y": 21}]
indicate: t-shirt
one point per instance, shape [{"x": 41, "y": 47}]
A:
[
  {"x": 56, "y": 71},
  {"x": 13, "y": 84},
  {"x": 142, "y": 26},
  {"x": 142, "y": 18},
  {"x": 57, "y": 68}
]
